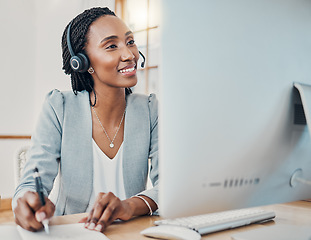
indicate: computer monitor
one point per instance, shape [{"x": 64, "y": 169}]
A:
[{"x": 228, "y": 136}]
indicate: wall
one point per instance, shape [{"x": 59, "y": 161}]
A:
[{"x": 30, "y": 67}]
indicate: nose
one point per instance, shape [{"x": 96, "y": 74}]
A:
[{"x": 127, "y": 54}]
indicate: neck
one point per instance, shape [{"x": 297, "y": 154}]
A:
[{"x": 109, "y": 104}]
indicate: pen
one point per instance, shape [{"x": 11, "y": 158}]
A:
[{"x": 39, "y": 189}]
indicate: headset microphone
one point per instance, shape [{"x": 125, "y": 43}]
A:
[
  {"x": 144, "y": 59},
  {"x": 78, "y": 62}
]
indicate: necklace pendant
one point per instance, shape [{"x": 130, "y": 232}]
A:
[{"x": 111, "y": 145}]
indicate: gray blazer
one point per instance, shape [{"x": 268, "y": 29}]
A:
[{"x": 63, "y": 140}]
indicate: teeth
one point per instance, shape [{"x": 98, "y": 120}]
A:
[{"x": 127, "y": 70}]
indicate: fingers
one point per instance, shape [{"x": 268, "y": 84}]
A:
[
  {"x": 32, "y": 200},
  {"x": 83, "y": 220},
  {"x": 106, "y": 209},
  {"x": 24, "y": 216},
  {"x": 109, "y": 214},
  {"x": 102, "y": 207},
  {"x": 46, "y": 211},
  {"x": 29, "y": 213}
]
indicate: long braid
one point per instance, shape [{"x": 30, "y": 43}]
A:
[{"x": 78, "y": 37}]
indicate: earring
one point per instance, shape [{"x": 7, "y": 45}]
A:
[{"x": 91, "y": 70}]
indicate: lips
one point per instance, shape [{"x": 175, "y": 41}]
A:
[
  {"x": 127, "y": 70},
  {"x": 130, "y": 69}
]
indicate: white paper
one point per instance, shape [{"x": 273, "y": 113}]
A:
[
  {"x": 9, "y": 232},
  {"x": 57, "y": 232}
]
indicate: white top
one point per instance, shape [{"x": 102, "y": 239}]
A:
[{"x": 107, "y": 174}]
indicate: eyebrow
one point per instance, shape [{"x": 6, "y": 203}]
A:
[
  {"x": 128, "y": 33},
  {"x": 114, "y": 36}
]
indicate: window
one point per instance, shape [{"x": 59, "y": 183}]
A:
[{"x": 142, "y": 17}]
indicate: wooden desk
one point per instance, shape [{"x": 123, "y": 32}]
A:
[{"x": 297, "y": 213}]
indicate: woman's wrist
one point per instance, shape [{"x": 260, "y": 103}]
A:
[
  {"x": 131, "y": 206},
  {"x": 141, "y": 205},
  {"x": 145, "y": 202}
]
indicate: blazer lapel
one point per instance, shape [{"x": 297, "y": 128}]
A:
[
  {"x": 136, "y": 144},
  {"x": 77, "y": 150}
]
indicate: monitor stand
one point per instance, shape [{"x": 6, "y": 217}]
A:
[
  {"x": 276, "y": 232},
  {"x": 286, "y": 231}
]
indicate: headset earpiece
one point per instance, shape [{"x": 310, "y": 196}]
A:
[{"x": 78, "y": 62}]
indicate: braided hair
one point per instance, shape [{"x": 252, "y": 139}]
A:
[{"x": 78, "y": 38}]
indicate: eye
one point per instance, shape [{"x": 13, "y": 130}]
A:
[
  {"x": 131, "y": 42},
  {"x": 112, "y": 46}
]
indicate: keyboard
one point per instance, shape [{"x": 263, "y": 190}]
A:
[{"x": 214, "y": 222}]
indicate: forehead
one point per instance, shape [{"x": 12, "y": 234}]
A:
[{"x": 106, "y": 26}]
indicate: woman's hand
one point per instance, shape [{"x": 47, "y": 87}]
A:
[
  {"x": 29, "y": 213},
  {"x": 106, "y": 209}
]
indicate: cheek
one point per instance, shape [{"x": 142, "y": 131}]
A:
[
  {"x": 105, "y": 62},
  {"x": 136, "y": 53}
]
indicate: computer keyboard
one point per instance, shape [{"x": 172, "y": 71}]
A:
[{"x": 214, "y": 222}]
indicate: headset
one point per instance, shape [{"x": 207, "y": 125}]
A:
[
  {"x": 144, "y": 59},
  {"x": 79, "y": 62}
]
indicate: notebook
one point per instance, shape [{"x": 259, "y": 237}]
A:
[{"x": 57, "y": 232}]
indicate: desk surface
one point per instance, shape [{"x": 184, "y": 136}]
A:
[{"x": 296, "y": 213}]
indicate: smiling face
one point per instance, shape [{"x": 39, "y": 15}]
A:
[{"x": 112, "y": 52}]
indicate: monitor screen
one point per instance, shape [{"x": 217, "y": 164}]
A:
[{"x": 232, "y": 126}]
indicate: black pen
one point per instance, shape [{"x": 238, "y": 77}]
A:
[{"x": 39, "y": 189}]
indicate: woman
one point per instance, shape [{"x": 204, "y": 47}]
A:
[{"x": 100, "y": 135}]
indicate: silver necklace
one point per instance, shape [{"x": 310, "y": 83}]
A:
[{"x": 111, "y": 145}]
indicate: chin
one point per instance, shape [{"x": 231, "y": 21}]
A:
[{"x": 131, "y": 83}]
